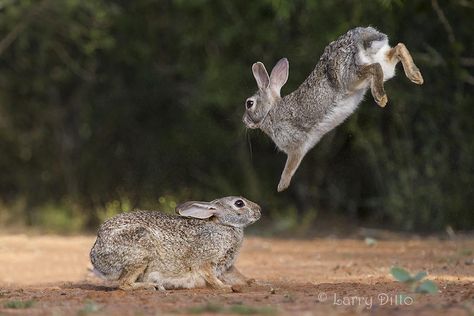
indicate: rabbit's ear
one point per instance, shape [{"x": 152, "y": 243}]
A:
[
  {"x": 279, "y": 75},
  {"x": 196, "y": 209},
  {"x": 261, "y": 75}
]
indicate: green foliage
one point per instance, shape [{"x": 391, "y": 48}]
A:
[
  {"x": 113, "y": 208},
  {"x": 419, "y": 276},
  {"x": 207, "y": 308},
  {"x": 427, "y": 287},
  {"x": 16, "y": 304},
  {"x": 89, "y": 307},
  {"x": 401, "y": 275},
  {"x": 416, "y": 282},
  {"x": 167, "y": 203},
  {"x": 251, "y": 310},
  {"x": 466, "y": 252},
  {"x": 56, "y": 218},
  {"x": 106, "y": 106},
  {"x": 238, "y": 309}
]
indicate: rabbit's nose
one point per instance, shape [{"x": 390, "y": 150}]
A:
[
  {"x": 257, "y": 214},
  {"x": 248, "y": 122}
]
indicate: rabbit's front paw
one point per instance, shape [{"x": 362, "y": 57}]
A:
[
  {"x": 226, "y": 288},
  {"x": 138, "y": 286},
  {"x": 381, "y": 101},
  {"x": 283, "y": 185}
]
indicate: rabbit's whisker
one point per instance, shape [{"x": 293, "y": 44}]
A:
[{"x": 249, "y": 142}]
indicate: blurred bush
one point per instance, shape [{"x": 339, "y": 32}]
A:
[{"x": 111, "y": 105}]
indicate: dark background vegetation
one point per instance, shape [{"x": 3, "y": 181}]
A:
[{"x": 111, "y": 105}]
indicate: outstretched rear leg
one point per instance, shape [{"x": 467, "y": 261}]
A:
[{"x": 401, "y": 53}]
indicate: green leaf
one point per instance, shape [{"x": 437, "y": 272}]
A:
[
  {"x": 419, "y": 276},
  {"x": 401, "y": 274},
  {"x": 427, "y": 286},
  {"x": 16, "y": 304}
]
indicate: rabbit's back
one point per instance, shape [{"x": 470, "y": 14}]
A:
[
  {"x": 166, "y": 243},
  {"x": 123, "y": 240},
  {"x": 325, "y": 98}
]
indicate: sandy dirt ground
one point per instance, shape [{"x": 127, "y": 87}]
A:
[{"x": 48, "y": 275}]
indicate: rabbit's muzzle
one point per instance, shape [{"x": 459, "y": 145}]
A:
[
  {"x": 249, "y": 123},
  {"x": 255, "y": 215}
]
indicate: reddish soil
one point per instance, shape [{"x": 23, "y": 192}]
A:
[{"x": 47, "y": 275}]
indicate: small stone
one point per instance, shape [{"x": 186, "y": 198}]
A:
[{"x": 251, "y": 281}]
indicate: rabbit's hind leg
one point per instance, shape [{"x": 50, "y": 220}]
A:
[
  {"x": 374, "y": 73},
  {"x": 234, "y": 277},
  {"x": 401, "y": 53},
  {"x": 129, "y": 277}
]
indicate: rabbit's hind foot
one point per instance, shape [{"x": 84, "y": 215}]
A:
[
  {"x": 374, "y": 73},
  {"x": 415, "y": 75},
  {"x": 234, "y": 277},
  {"x": 400, "y": 53}
]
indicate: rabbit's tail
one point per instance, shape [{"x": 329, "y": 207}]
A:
[
  {"x": 98, "y": 273},
  {"x": 101, "y": 275},
  {"x": 111, "y": 276}
]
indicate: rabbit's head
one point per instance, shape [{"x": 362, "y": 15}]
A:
[
  {"x": 231, "y": 211},
  {"x": 259, "y": 105}
]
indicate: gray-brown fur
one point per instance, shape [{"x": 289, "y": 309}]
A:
[
  {"x": 357, "y": 60},
  {"x": 150, "y": 249}
]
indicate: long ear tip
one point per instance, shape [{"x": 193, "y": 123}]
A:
[
  {"x": 285, "y": 61},
  {"x": 257, "y": 64},
  {"x": 178, "y": 209}
]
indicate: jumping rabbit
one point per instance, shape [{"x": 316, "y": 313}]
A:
[
  {"x": 153, "y": 250},
  {"x": 356, "y": 61}
]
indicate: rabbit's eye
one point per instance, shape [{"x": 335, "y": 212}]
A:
[
  {"x": 249, "y": 104},
  {"x": 239, "y": 203}
]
